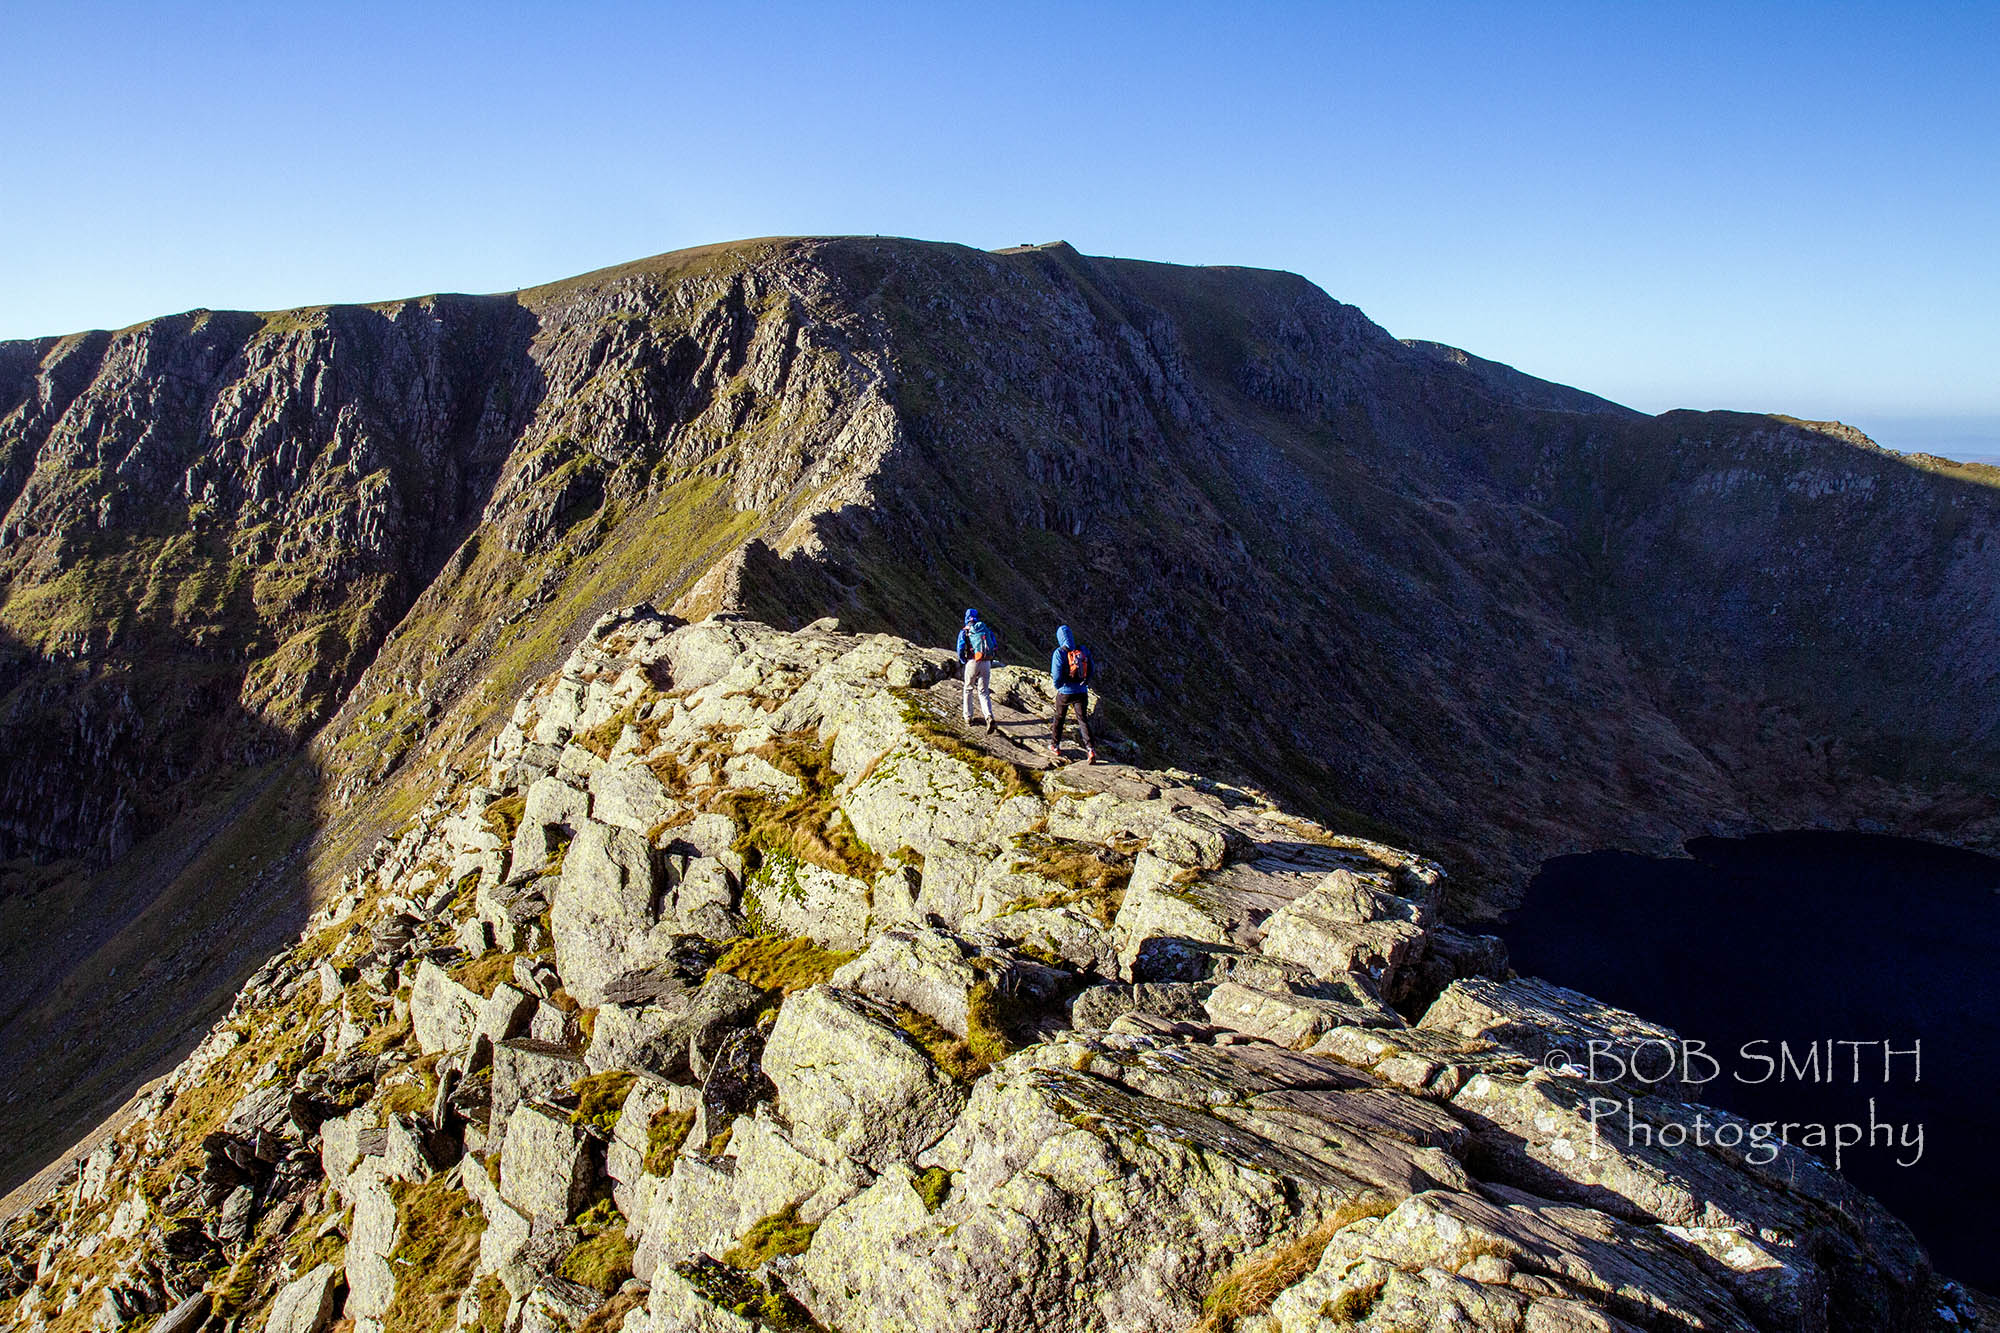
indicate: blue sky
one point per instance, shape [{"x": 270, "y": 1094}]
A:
[{"x": 1770, "y": 207}]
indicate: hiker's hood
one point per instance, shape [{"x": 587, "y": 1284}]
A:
[
  {"x": 971, "y": 614},
  {"x": 1064, "y": 639}
]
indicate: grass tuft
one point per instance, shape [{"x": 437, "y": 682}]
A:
[
  {"x": 934, "y": 1187},
  {"x": 600, "y": 1098},
  {"x": 1251, "y": 1286},
  {"x": 1087, "y": 876},
  {"x": 779, "y": 1234},
  {"x": 665, "y": 1134},
  {"x": 809, "y": 826},
  {"x": 780, "y": 963}
]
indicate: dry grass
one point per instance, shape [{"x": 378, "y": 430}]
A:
[
  {"x": 439, "y": 1231},
  {"x": 503, "y": 817},
  {"x": 809, "y": 825},
  {"x": 777, "y": 962},
  {"x": 1251, "y": 1286},
  {"x": 1088, "y": 876}
]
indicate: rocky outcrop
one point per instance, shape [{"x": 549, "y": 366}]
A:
[{"x": 1256, "y": 1087}]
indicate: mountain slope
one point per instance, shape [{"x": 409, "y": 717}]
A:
[{"x": 1411, "y": 592}]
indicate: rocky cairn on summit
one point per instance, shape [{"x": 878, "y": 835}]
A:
[{"x": 742, "y": 990}]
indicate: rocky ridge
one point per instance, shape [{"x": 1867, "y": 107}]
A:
[{"x": 737, "y": 988}]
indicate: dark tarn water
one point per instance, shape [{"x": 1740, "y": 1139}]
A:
[{"x": 1804, "y": 938}]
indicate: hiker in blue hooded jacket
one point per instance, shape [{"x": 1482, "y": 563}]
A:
[
  {"x": 1069, "y": 672},
  {"x": 977, "y": 647}
]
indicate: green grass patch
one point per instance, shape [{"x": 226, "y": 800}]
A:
[
  {"x": 933, "y": 1187},
  {"x": 780, "y": 963},
  {"x": 779, "y": 1234},
  {"x": 485, "y": 973},
  {"x": 665, "y": 1134},
  {"x": 600, "y": 1098},
  {"x": 603, "y": 1260}
]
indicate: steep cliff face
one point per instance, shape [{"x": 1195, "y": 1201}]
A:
[{"x": 1412, "y": 592}]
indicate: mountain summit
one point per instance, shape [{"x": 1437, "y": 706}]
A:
[{"x": 263, "y": 577}]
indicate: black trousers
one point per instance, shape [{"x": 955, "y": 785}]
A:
[{"x": 1080, "y": 704}]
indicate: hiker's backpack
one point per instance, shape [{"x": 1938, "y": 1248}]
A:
[
  {"x": 1076, "y": 665},
  {"x": 983, "y": 640}
]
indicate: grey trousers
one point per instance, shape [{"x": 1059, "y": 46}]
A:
[{"x": 979, "y": 677}]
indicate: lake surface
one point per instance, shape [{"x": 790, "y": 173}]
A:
[{"x": 1809, "y": 938}]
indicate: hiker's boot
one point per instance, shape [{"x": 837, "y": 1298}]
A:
[
  {"x": 1090, "y": 756},
  {"x": 991, "y": 726}
]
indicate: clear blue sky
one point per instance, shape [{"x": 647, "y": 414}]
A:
[{"x": 1774, "y": 207}]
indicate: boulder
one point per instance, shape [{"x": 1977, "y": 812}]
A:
[
  {"x": 852, "y": 1083},
  {"x": 443, "y": 1014},
  {"x": 669, "y": 1042},
  {"x": 545, "y": 1165},
  {"x": 1348, "y": 924},
  {"x": 305, "y": 1305},
  {"x": 606, "y": 911},
  {"x": 371, "y": 1238},
  {"x": 626, "y": 794},
  {"x": 524, "y": 1068},
  {"x": 1291, "y": 1018},
  {"x": 553, "y": 810},
  {"x": 927, "y": 970}
]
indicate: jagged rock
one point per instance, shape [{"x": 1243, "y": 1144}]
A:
[
  {"x": 371, "y": 1238},
  {"x": 306, "y": 1304},
  {"x": 627, "y": 795},
  {"x": 443, "y": 1014},
  {"x": 734, "y": 1083},
  {"x": 831, "y": 909},
  {"x": 1297, "y": 1020},
  {"x": 556, "y": 1305},
  {"x": 185, "y": 1317},
  {"x": 1347, "y": 924},
  {"x": 501, "y": 1016},
  {"x": 552, "y": 812},
  {"x": 673, "y": 1044},
  {"x": 545, "y": 1167},
  {"x": 924, "y": 969},
  {"x": 606, "y": 911},
  {"x": 854, "y": 1084},
  {"x": 1536, "y": 1018},
  {"x": 524, "y": 1068},
  {"x": 1586, "y": 1259},
  {"x": 1099, "y": 1006}
]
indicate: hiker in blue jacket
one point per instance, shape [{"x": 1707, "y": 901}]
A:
[
  {"x": 977, "y": 646},
  {"x": 1069, "y": 672}
]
